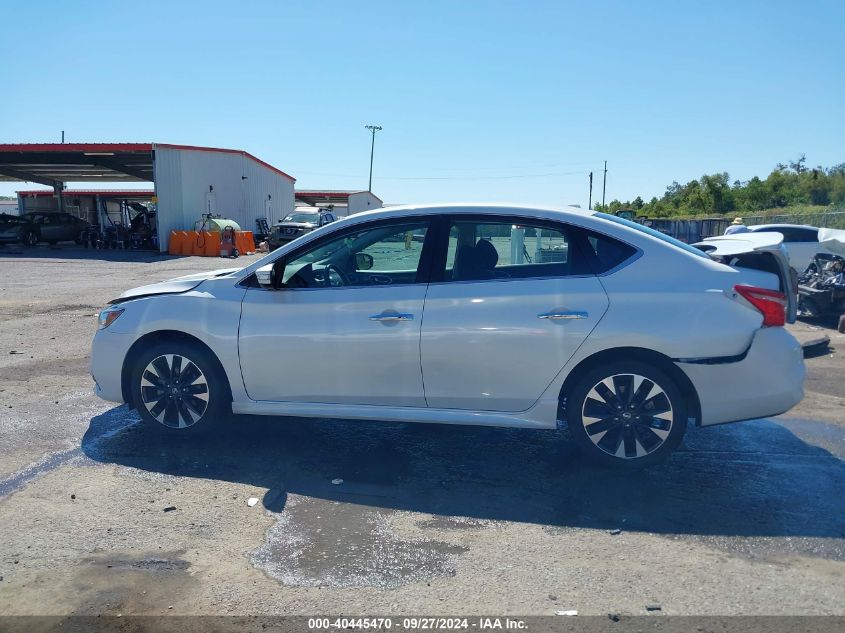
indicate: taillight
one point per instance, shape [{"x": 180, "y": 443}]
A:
[{"x": 770, "y": 303}]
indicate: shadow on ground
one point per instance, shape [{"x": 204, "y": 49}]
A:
[
  {"x": 751, "y": 479},
  {"x": 70, "y": 251}
]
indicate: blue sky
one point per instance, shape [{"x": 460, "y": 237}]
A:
[{"x": 499, "y": 101}]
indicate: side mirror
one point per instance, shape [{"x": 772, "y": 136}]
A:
[
  {"x": 264, "y": 276},
  {"x": 363, "y": 261},
  {"x": 278, "y": 274}
]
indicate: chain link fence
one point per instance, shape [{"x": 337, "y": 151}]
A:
[{"x": 691, "y": 230}]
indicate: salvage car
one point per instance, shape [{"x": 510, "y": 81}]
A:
[
  {"x": 801, "y": 242},
  {"x": 502, "y": 316},
  {"x": 297, "y": 224},
  {"x": 821, "y": 287},
  {"x": 32, "y": 228}
]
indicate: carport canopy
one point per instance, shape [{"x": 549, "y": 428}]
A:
[
  {"x": 53, "y": 164},
  {"x": 316, "y": 197}
]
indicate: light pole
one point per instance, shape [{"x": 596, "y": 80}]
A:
[
  {"x": 373, "y": 129},
  {"x": 603, "y": 185}
]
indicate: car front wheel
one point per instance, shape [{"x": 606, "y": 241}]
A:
[
  {"x": 178, "y": 388},
  {"x": 626, "y": 414}
]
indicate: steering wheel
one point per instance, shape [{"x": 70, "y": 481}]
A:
[{"x": 339, "y": 278}]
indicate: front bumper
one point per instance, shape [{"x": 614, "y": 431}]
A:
[
  {"x": 108, "y": 351},
  {"x": 768, "y": 381}
]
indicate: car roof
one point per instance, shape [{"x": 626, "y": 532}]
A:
[
  {"x": 407, "y": 210},
  {"x": 769, "y": 227}
]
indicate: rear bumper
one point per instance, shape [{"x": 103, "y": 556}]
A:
[{"x": 768, "y": 381}]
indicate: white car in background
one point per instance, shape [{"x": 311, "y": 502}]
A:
[
  {"x": 495, "y": 315},
  {"x": 801, "y": 242}
]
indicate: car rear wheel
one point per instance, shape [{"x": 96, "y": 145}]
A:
[
  {"x": 178, "y": 388},
  {"x": 29, "y": 238},
  {"x": 626, "y": 414}
]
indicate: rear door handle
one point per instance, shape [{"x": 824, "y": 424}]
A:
[
  {"x": 563, "y": 315},
  {"x": 392, "y": 317}
]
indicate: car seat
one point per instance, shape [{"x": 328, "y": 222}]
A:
[{"x": 475, "y": 262}]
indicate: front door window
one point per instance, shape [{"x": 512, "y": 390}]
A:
[{"x": 384, "y": 255}]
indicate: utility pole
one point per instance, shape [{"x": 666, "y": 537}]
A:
[
  {"x": 590, "y": 203},
  {"x": 63, "y": 136},
  {"x": 603, "y": 184},
  {"x": 373, "y": 129}
]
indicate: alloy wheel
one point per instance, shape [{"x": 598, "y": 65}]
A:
[
  {"x": 174, "y": 390},
  {"x": 627, "y": 416}
]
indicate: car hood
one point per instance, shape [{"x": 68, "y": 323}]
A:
[
  {"x": 296, "y": 225},
  {"x": 173, "y": 286}
]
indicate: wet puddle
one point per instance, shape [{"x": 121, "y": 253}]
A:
[{"x": 318, "y": 543}]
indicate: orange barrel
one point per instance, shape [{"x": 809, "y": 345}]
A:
[
  {"x": 212, "y": 244},
  {"x": 188, "y": 242},
  {"x": 175, "y": 245},
  {"x": 240, "y": 242},
  {"x": 200, "y": 239}
]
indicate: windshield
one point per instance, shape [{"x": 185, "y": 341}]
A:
[
  {"x": 649, "y": 231},
  {"x": 313, "y": 218}
]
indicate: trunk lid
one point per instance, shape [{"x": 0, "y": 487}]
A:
[{"x": 763, "y": 251}]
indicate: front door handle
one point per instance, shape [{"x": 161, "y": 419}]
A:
[
  {"x": 392, "y": 316},
  {"x": 563, "y": 315}
]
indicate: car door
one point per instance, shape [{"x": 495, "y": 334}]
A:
[
  {"x": 63, "y": 224},
  {"x": 344, "y": 327},
  {"x": 514, "y": 303},
  {"x": 46, "y": 227}
]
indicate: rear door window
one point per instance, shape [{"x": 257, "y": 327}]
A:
[{"x": 501, "y": 249}]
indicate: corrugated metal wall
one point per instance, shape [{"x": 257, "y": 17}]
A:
[
  {"x": 362, "y": 201},
  {"x": 244, "y": 190}
]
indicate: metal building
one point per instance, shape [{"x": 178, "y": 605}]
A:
[
  {"x": 187, "y": 181},
  {"x": 342, "y": 202}
]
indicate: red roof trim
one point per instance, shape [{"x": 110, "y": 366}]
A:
[
  {"x": 194, "y": 148},
  {"x": 90, "y": 192}
]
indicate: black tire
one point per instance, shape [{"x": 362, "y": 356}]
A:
[
  {"x": 175, "y": 406},
  {"x": 632, "y": 424},
  {"x": 29, "y": 238}
]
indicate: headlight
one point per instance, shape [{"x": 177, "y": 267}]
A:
[{"x": 108, "y": 316}]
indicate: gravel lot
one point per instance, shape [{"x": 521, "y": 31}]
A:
[{"x": 98, "y": 517}]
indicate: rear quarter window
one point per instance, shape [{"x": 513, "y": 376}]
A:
[{"x": 606, "y": 253}]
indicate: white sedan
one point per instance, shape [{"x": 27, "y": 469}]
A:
[
  {"x": 801, "y": 242},
  {"x": 469, "y": 314}
]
